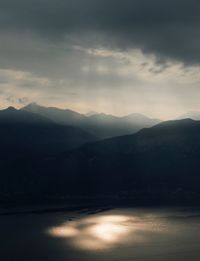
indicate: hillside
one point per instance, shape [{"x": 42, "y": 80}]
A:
[{"x": 27, "y": 132}]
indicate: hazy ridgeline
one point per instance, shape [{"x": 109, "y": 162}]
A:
[{"x": 60, "y": 154}]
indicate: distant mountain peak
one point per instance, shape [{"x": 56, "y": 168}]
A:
[
  {"x": 91, "y": 113},
  {"x": 32, "y": 105},
  {"x": 195, "y": 115},
  {"x": 136, "y": 116},
  {"x": 11, "y": 108},
  {"x": 35, "y": 107}
]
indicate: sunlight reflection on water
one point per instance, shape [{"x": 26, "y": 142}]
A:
[{"x": 106, "y": 231}]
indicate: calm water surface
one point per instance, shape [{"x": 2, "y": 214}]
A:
[{"x": 115, "y": 235}]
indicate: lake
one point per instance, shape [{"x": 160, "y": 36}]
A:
[{"x": 117, "y": 234}]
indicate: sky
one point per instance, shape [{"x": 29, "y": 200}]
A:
[{"x": 116, "y": 57}]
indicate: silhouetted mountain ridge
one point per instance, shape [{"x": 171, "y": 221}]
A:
[
  {"x": 13, "y": 116},
  {"x": 100, "y": 124},
  {"x": 166, "y": 154},
  {"x": 195, "y": 115},
  {"x": 62, "y": 116},
  {"x": 150, "y": 165},
  {"x": 23, "y": 131}
]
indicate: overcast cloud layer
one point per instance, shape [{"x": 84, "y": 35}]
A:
[{"x": 112, "y": 56}]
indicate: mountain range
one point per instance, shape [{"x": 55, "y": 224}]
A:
[
  {"x": 100, "y": 124},
  {"x": 26, "y": 132},
  {"x": 164, "y": 156},
  {"x": 41, "y": 159}
]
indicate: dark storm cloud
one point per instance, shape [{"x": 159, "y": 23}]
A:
[{"x": 170, "y": 29}]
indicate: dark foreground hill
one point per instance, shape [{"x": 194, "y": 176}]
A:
[
  {"x": 158, "y": 164},
  {"x": 162, "y": 157}
]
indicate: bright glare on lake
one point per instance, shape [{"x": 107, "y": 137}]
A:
[
  {"x": 113, "y": 235},
  {"x": 105, "y": 231}
]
